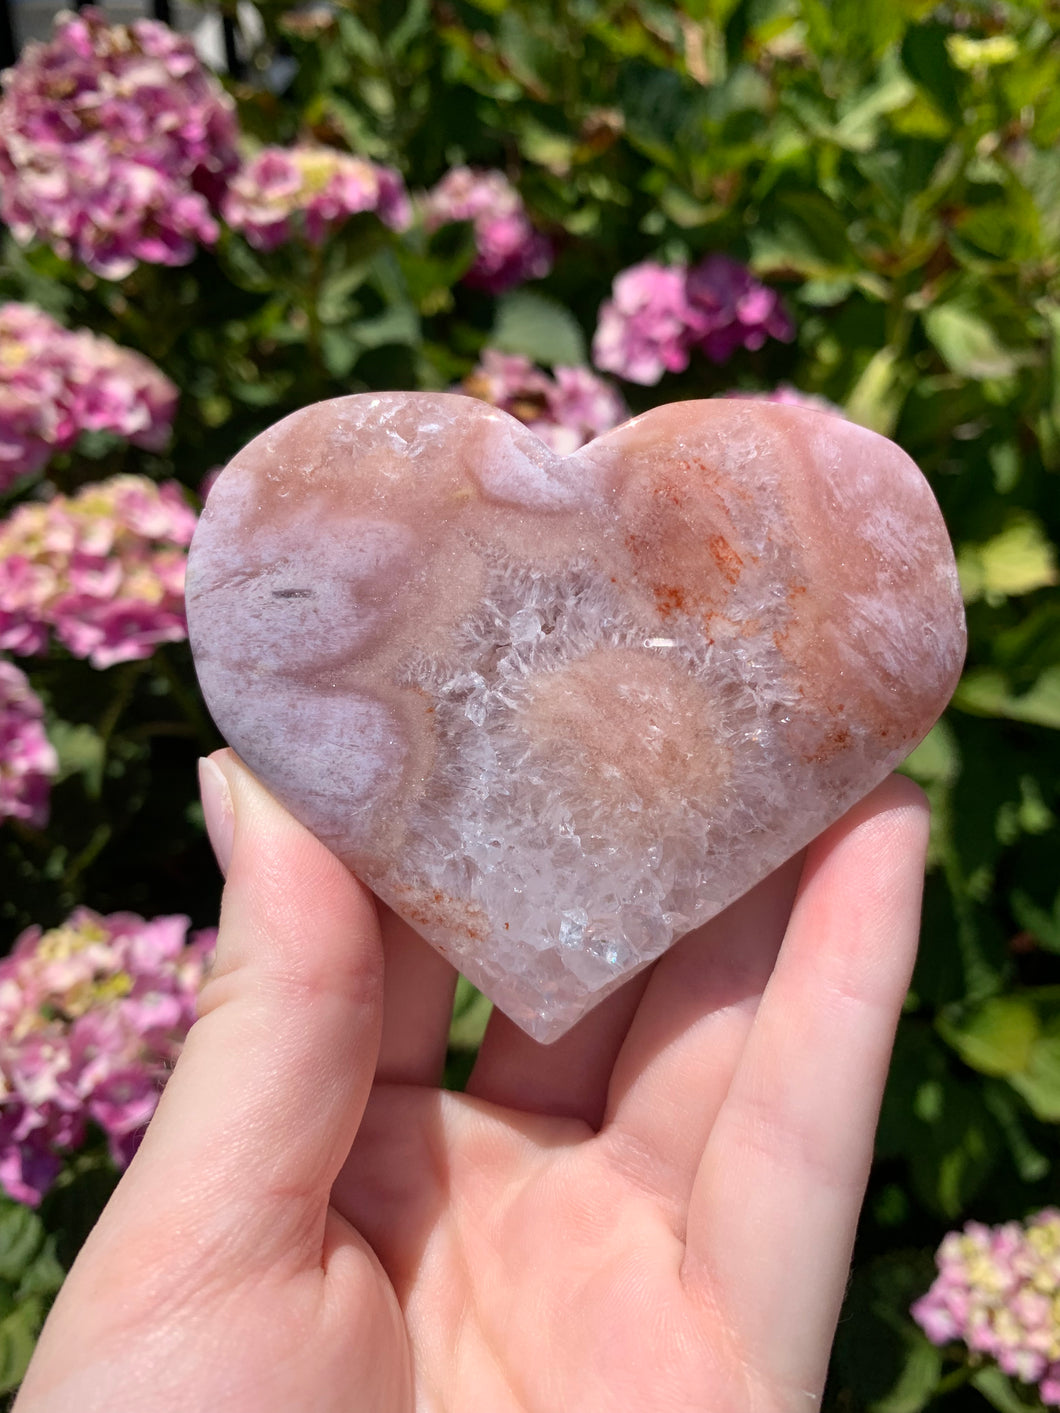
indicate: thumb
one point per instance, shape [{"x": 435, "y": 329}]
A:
[{"x": 267, "y": 1096}]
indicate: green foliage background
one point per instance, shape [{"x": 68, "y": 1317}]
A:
[{"x": 894, "y": 167}]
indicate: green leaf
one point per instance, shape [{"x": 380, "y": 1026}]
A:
[
  {"x": 429, "y": 274},
  {"x": 937, "y": 758},
  {"x": 876, "y": 398},
  {"x": 985, "y": 692},
  {"x": 1007, "y": 1037},
  {"x": 81, "y": 752},
  {"x": 244, "y": 266},
  {"x": 967, "y": 343},
  {"x": 926, "y": 59},
  {"x": 967, "y": 53},
  {"x": 997, "y": 1389},
  {"x": 1043, "y": 926},
  {"x": 996, "y": 1037},
  {"x": 806, "y": 234},
  {"x": 881, "y": 1357},
  {"x": 339, "y": 351},
  {"x": 528, "y": 54},
  {"x": 950, "y": 1176},
  {"x": 471, "y": 1012},
  {"x": 29, "y": 1276},
  {"x": 415, "y": 21},
  {"x": 1051, "y": 312},
  {"x": 336, "y": 291},
  {"x": 685, "y": 211},
  {"x": 1008, "y": 229},
  {"x": 539, "y": 328},
  {"x": 1031, "y": 1164},
  {"x": 933, "y": 1119},
  {"x": 21, "y": 1238},
  {"x": 547, "y": 147},
  {"x": 44, "y": 1276},
  {"x": 1039, "y": 1083},
  {"x": 655, "y": 103},
  {"x": 917, "y": 1382},
  {"x": 399, "y": 324},
  {"x": 858, "y": 127},
  {"x": 18, "y": 1338},
  {"x": 716, "y": 10},
  {"x": 1017, "y": 561},
  {"x": 358, "y": 39}
]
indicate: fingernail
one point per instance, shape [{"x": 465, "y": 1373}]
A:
[{"x": 217, "y": 810}]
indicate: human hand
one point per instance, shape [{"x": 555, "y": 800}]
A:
[{"x": 655, "y": 1213}]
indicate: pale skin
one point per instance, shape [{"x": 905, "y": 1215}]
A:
[{"x": 654, "y": 1215}]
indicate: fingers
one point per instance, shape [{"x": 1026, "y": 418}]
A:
[
  {"x": 418, "y": 1005},
  {"x": 664, "y": 1124},
  {"x": 675, "y": 1067},
  {"x": 265, "y": 1101},
  {"x": 776, "y": 1199},
  {"x": 569, "y": 1077}
]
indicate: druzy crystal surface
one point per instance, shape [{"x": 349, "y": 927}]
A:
[{"x": 558, "y": 711}]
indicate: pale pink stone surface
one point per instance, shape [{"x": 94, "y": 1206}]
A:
[{"x": 557, "y": 711}]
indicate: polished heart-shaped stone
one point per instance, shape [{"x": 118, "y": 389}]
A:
[{"x": 557, "y": 711}]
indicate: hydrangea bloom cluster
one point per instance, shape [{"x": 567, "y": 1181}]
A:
[
  {"x": 114, "y": 144},
  {"x": 55, "y": 384},
  {"x": 103, "y": 569},
  {"x": 566, "y": 410},
  {"x": 657, "y": 315},
  {"x": 998, "y": 1290},
  {"x": 322, "y": 186},
  {"x": 509, "y": 249},
  {"x": 27, "y": 758},
  {"x": 92, "y": 1017}
]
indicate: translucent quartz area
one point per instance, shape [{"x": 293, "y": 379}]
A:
[{"x": 557, "y": 711}]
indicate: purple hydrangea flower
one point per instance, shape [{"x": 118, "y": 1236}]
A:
[
  {"x": 93, "y": 1015},
  {"x": 998, "y": 1292},
  {"x": 658, "y": 314},
  {"x": 55, "y": 384},
  {"x": 731, "y": 309},
  {"x": 114, "y": 144},
  {"x": 103, "y": 570},
  {"x": 565, "y": 411},
  {"x": 27, "y": 758},
  {"x": 321, "y": 186},
  {"x": 509, "y": 249}
]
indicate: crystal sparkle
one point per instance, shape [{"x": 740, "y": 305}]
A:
[{"x": 555, "y": 710}]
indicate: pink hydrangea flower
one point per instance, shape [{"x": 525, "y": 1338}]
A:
[
  {"x": 998, "y": 1291},
  {"x": 114, "y": 144},
  {"x": 55, "y": 384},
  {"x": 643, "y": 329},
  {"x": 657, "y": 315},
  {"x": 321, "y": 186},
  {"x": 565, "y": 411},
  {"x": 27, "y": 758},
  {"x": 93, "y": 1015},
  {"x": 509, "y": 249},
  {"x": 103, "y": 570}
]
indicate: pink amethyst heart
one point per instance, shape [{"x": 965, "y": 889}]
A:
[{"x": 557, "y": 711}]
